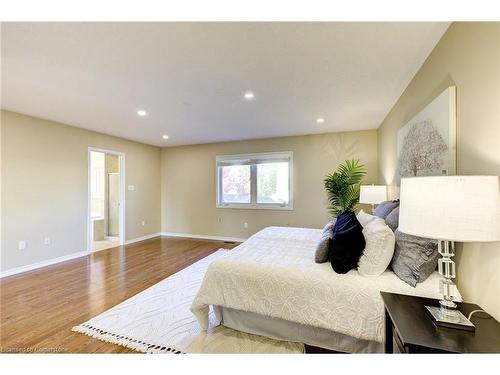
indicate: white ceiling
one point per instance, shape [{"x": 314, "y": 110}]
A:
[{"x": 190, "y": 77}]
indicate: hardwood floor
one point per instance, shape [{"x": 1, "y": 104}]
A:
[{"x": 39, "y": 308}]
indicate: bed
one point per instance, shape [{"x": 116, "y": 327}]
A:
[{"x": 271, "y": 286}]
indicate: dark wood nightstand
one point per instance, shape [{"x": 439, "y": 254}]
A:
[{"x": 409, "y": 329}]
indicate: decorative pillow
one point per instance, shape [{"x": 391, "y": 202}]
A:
[
  {"x": 385, "y": 208},
  {"x": 347, "y": 243},
  {"x": 415, "y": 258},
  {"x": 365, "y": 218},
  {"x": 329, "y": 226},
  {"x": 392, "y": 220},
  {"x": 379, "y": 248},
  {"x": 321, "y": 254}
]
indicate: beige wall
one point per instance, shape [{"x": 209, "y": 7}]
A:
[
  {"x": 188, "y": 182},
  {"x": 467, "y": 56},
  {"x": 44, "y": 187}
]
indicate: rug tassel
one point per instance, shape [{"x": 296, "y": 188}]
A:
[{"x": 133, "y": 344}]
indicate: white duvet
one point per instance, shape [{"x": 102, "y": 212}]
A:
[{"x": 273, "y": 273}]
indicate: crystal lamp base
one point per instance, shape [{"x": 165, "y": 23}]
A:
[
  {"x": 449, "y": 318},
  {"x": 447, "y": 315}
]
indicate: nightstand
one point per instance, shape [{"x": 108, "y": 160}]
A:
[{"x": 409, "y": 329}]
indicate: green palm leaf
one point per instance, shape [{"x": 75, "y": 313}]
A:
[{"x": 342, "y": 187}]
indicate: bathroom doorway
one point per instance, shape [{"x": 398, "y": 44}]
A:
[{"x": 106, "y": 199}]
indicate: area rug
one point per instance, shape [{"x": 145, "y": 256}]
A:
[{"x": 158, "y": 320}]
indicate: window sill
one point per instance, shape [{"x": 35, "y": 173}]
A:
[{"x": 255, "y": 207}]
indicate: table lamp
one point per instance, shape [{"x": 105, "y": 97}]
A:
[
  {"x": 372, "y": 194},
  {"x": 450, "y": 209}
]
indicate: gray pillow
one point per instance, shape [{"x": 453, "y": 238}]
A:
[
  {"x": 385, "y": 208},
  {"x": 321, "y": 254},
  {"x": 415, "y": 258},
  {"x": 392, "y": 220}
]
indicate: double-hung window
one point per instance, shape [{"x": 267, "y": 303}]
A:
[{"x": 255, "y": 181}]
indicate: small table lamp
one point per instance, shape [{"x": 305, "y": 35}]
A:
[
  {"x": 450, "y": 209},
  {"x": 372, "y": 194}
]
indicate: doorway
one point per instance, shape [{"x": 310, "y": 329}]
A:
[{"x": 106, "y": 199}]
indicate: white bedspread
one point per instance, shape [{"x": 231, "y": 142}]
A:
[{"x": 273, "y": 273}]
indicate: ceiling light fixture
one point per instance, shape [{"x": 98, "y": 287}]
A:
[
  {"x": 164, "y": 136},
  {"x": 320, "y": 120},
  {"x": 249, "y": 95},
  {"x": 141, "y": 112}
]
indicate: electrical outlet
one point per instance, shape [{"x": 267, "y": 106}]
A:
[
  {"x": 21, "y": 245},
  {"x": 46, "y": 241},
  {"x": 245, "y": 225},
  {"x": 143, "y": 223}
]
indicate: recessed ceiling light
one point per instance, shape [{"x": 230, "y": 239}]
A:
[
  {"x": 141, "y": 112},
  {"x": 164, "y": 136},
  {"x": 249, "y": 95},
  {"x": 320, "y": 120}
]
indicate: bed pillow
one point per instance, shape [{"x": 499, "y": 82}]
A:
[
  {"x": 379, "y": 248},
  {"x": 385, "y": 208},
  {"x": 415, "y": 258},
  {"x": 392, "y": 220},
  {"x": 365, "y": 218},
  {"x": 321, "y": 253},
  {"x": 347, "y": 243}
]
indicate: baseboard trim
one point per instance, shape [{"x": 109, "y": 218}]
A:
[
  {"x": 143, "y": 238},
  {"x": 43, "y": 263},
  {"x": 64, "y": 258},
  {"x": 49, "y": 262},
  {"x": 203, "y": 236}
]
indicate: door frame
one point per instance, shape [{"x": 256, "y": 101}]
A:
[{"x": 121, "y": 159}]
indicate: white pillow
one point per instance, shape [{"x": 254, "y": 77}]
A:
[
  {"x": 379, "y": 249},
  {"x": 365, "y": 218}
]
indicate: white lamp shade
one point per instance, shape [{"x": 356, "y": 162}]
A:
[
  {"x": 453, "y": 208},
  {"x": 372, "y": 194}
]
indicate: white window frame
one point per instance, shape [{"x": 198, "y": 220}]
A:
[{"x": 253, "y": 181}]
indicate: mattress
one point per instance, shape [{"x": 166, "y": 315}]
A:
[{"x": 273, "y": 274}]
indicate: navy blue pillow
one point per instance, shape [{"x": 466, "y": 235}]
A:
[{"x": 347, "y": 243}]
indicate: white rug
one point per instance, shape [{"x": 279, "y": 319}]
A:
[{"x": 158, "y": 320}]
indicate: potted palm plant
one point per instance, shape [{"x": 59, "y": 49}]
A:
[
  {"x": 347, "y": 242},
  {"x": 342, "y": 187}
]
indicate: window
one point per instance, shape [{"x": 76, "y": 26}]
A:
[
  {"x": 235, "y": 183},
  {"x": 255, "y": 181}
]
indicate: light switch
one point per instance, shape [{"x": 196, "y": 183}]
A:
[
  {"x": 46, "y": 241},
  {"x": 21, "y": 245},
  {"x": 131, "y": 187}
]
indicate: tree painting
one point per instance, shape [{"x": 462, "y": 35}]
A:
[{"x": 422, "y": 151}]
